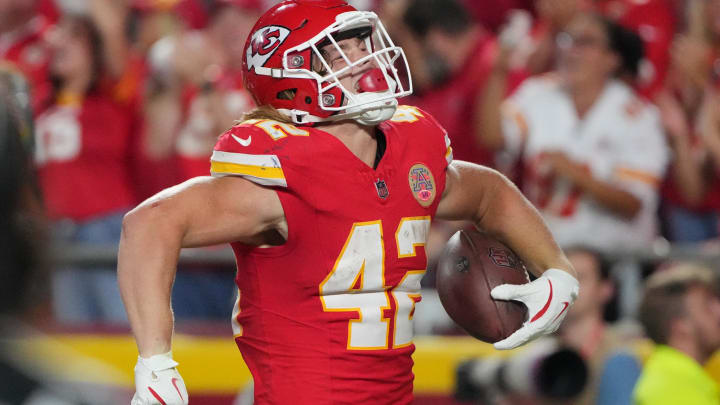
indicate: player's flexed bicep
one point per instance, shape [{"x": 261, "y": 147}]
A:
[
  {"x": 495, "y": 205},
  {"x": 211, "y": 210},
  {"x": 202, "y": 211}
]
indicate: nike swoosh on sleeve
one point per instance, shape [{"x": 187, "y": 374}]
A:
[
  {"x": 174, "y": 383},
  {"x": 243, "y": 142},
  {"x": 545, "y": 308},
  {"x": 565, "y": 306}
]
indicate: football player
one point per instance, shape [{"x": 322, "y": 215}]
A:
[{"x": 326, "y": 194}]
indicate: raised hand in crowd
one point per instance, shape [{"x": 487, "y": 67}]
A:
[
  {"x": 709, "y": 124},
  {"x": 690, "y": 56},
  {"x": 110, "y": 17},
  {"x": 687, "y": 173}
]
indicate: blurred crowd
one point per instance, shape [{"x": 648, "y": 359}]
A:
[{"x": 606, "y": 113}]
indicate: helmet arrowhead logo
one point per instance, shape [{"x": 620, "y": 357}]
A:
[{"x": 263, "y": 43}]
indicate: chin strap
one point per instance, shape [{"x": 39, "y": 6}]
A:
[{"x": 370, "y": 114}]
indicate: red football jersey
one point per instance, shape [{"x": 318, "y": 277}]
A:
[
  {"x": 83, "y": 155},
  {"x": 326, "y": 318}
]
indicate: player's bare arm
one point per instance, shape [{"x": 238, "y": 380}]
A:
[
  {"x": 200, "y": 212},
  {"x": 495, "y": 205}
]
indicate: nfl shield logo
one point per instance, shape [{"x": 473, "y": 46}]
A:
[
  {"x": 381, "y": 188},
  {"x": 502, "y": 257}
]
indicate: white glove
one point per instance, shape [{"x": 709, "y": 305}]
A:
[
  {"x": 157, "y": 382},
  {"x": 547, "y": 299}
]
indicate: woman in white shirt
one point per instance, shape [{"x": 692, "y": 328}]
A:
[{"x": 592, "y": 151}]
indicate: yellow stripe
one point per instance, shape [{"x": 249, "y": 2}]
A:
[
  {"x": 436, "y": 359},
  {"x": 248, "y": 170}
]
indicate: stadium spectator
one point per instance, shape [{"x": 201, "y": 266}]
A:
[
  {"x": 552, "y": 18},
  {"x": 203, "y": 95},
  {"x": 579, "y": 132},
  {"x": 493, "y": 14},
  {"x": 680, "y": 311},
  {"x": 157, "y": 161},
  {"x": 655, "y": 22},
  {"x": 691, "y": 209},
  {"x": 83, "y": 155},
  {"x": 449, "y": 56},
  {"x": 21, "y": 42}
]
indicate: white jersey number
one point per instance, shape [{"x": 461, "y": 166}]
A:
[
  {"x": 357, "y": 283},
  {"x": 58, "y": 136}
]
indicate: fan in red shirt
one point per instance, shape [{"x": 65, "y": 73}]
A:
[
  {"x": 690, "y": 107},
  {"x": 451, "y": 56},
  {"x": 83, "y": 155},
  {"x": 202, "y": 95}
]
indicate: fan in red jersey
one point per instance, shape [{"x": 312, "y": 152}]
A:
[
  {"x": 83, "y": 144},
  {"x": 326, "y": 193}
]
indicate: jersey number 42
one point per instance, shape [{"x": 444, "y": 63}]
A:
[{"x": 357, "y": 283}]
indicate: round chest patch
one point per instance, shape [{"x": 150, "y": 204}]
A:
[{"x": 422, "y": 184}]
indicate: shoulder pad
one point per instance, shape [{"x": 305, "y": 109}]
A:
[{"x": 406, "y": 114}]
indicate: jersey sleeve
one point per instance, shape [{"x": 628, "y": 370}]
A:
[
  {"x": 446, "y": 146},
  {"x": 247, "y": 150},
  {"x": 432, "y": 132}
]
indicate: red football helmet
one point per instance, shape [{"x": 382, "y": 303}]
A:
[{"x": 284, "y": 66}]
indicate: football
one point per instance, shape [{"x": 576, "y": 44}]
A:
[{"x": 471, "y": 265}]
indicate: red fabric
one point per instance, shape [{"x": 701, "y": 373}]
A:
[
  {"x": 492, "y": 14},
  {"x": 83, "y": 157},
  {"x": 49, "y": 9},
  {"x": 671, "y": 193},
  {"x": 710, "y": 203},
  {"x": 298, "y": 353},
  {"x": 654, "y": 21},
  {"x": 453, "y": 103},
  {"x": 193, "y": 165},
  {"x": 150, "y": 175},
  {"x": 27, "y": 51}
]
